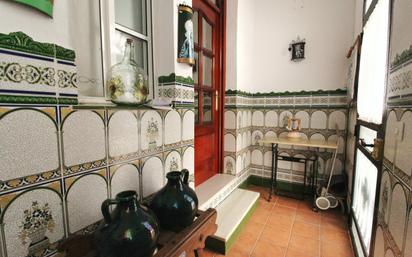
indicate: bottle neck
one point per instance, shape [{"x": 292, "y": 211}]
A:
[{"x": 127, "y": 52}]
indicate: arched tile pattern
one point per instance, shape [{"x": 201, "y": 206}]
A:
[
  {"x": 27, "y": 135},
  {"x": 151, "y": 130},
  {"x": 271, "y": 119},
  {"x": 21, "y": 210},
  {"x": 152, "y": 175},
  {"x": 230, "y": 120},
  {"x": 392, "y": 131},
  {"x": 83, "y": 144},
  {"x": 173, "y": 127},
  {"x": 304, "y": 118},
  {"x": 257, "y": 157},
  {"x": 283, "y": 118},
  {"x": 403, "y": 152},
  {"x": 125, "y": 177},
  {"x": 83, "y": 206},
  {"x": 123, "y": 133},
  {"x": 397, "y": 215},
  {"x": 385, "y": 196},
  {"x": 173, "y": 162},
  {"x": 337, "y": 119},
  {"x": 230, "y": 143},
  {"x": 188, "y": 128},
  {"x": 257, "y": 118},
  {"x": 318, "y": 120}
]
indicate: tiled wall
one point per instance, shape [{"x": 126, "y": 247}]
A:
[
  {"x": 59, "y": 162},
  {"x": 249, "y": 118},
  {"x": 394, "y": 232}
]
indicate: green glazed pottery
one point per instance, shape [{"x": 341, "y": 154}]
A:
[
  {"x": 130, "y": 230},
  {"x": 175, "y": 205}
]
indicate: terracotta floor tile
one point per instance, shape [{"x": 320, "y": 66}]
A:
[
  {"x": 335, "y": 250},
  {"x": 276, "y": 236},
  {"x": 332, "y": 235},
  {"x": 304, "y": 244},
  {"x": 252, "y": 229},
  {"x": 306, "y": 230},
  {"x": 280, "y": 221},
  {"x": 334, "y": 223},
  {"x": 283, "y": 211},
  {"x": 266, "y": 249},
  {"x": 305, "y": 206},
  {"x": 288, "y": 202},
  {"x": 245, "y": 243},
  {"x": 264, "y": 204},
  {"x": 260, "y": 215},
  {"x": 308, "y": 217},
  {"x": 294, "y": 253}
]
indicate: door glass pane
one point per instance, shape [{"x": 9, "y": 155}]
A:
[
  {"x": 207, "y": 107},
  {"x": 140, "y": 49},
  {"x": 373, "y": 64},
  {"x": 207, "y": 34},
  {"x": 364, "y": 196},
  {"x": 207, "y": 71},
  {"x": 196, "y": 68},
  {"x": 131, "y": 14},
  {"x": 196, "y": 106},
  {"x": 196, "y": 26}
]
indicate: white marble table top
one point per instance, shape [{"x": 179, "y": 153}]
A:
[{"x": 299, "y": 142}]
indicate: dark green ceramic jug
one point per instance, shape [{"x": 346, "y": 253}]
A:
[
  {"x": 130, "y": 230},
  {"x": 175, "y": 205}
]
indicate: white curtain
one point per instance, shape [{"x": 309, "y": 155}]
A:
[{"x": 373, "y": 64}]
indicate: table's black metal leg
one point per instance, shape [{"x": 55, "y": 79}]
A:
[
  {"x": 315, "y": 179},
  {"x": 304, "y": 181},
  {"x": 274, "y": 168}
]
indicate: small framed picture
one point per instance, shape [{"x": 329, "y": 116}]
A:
[
  {"x": 185, "y": 44},
  {"x": 297, "y": 49},
  {"x": 294, "y": 124}
]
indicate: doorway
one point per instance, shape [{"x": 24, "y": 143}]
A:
[{"x": 207, "y": 76}]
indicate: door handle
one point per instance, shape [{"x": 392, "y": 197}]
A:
[
  {"x": 216, "y": 100},
  {"x": 377, "y": 147}
]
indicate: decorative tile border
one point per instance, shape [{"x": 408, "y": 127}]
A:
[
  {"x": 401, "y": 58},
  {"x": 303, "y": 99},
  {"x": 35, "y": 69},
  {"x": 178, "y": 89},
  {"x": 173, "y": 78}
]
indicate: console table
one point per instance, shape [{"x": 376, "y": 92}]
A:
[
  {"x": 187, "y": 243},
  {"x": 313, "y": 143}
]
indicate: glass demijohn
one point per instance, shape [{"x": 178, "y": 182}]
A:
[{"x": 128, "y": 83}]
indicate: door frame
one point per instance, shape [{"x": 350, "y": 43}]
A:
[
  {"x": 221, "y": 8},
  {"x": 379, "y": 128}
]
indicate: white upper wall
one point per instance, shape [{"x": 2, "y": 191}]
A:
[{"x": 265, "y": 29}]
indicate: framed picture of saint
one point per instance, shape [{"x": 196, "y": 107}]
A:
[{"x": 185, "y": 44}]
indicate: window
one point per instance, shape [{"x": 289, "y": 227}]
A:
[
  {"x": 102, "y": 27},
  {"x": 130, "y": 19}
]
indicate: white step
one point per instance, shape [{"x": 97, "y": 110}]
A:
[
  {"x": 230, "y": 214},
  {"x": 213, "y": 188}
]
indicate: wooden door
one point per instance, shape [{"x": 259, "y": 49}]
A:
[{"x": 207, "y": 76}]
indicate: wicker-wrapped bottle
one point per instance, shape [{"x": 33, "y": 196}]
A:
[{"x": 128, "y": 83}]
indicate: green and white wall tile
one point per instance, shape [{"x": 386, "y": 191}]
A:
[
  {"x": 178, "y": 89},
  {"x": 62, "y": 160},
  {"x": 251, "y": 117},
  {"x": 35, "y": 72}
]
